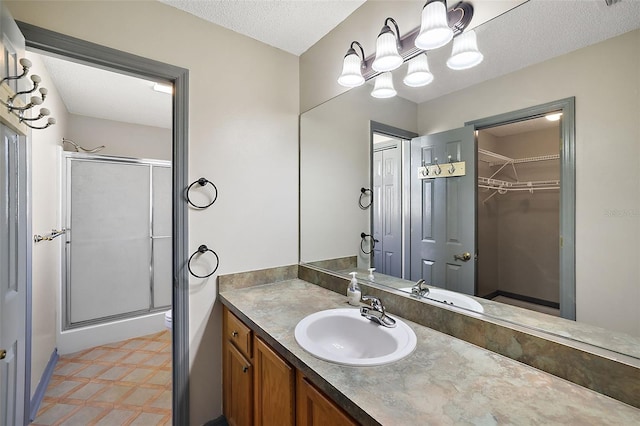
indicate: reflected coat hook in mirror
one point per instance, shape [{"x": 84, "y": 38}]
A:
[{"x": 81, "y": 148}]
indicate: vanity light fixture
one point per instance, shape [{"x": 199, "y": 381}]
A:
[
  {"x": 387, "y": 45},
  {"x": 554, "y": 116},
  {"x": 352, "y": 67},
  {"x": 435, "y": 31},
  {"x": 438, "y": 27},
  {"x": 418, "y": 73},
  {"x": 465, "y": 53},
  {"x": 383, "y": 87}
]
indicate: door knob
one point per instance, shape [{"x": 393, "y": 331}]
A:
[
  {"x": 464, "y": 257},
  {"x": 3, "y": 354}
]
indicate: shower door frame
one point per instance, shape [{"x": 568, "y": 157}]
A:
[{"x": 67, "y": 158}]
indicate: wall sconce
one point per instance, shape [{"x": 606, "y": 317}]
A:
[
  {"x": 434, "y": 29},
  {"x": 18, "y": 108},
  {"x": 352, "y": 67},
  {"x": 418, "y": 73},
  {"x": 465, "y": 53},
  {"x": 387, "y": 45},
  {"x": 383, "y": 87}
]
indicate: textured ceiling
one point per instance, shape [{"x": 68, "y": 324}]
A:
[{"x": 291, "y": 25}]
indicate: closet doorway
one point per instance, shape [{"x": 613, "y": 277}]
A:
[{"x": 519, "y": 213}]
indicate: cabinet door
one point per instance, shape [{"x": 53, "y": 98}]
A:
[
  {"x": 315, "y": 409},
  {"x": 274, "y": 387},
  {"x": 238, "y": 387}
]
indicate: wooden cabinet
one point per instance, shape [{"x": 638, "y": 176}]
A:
[
  {"x": 237, "y": 377},
  {"x": 314, "y": 408},
  {"x": 274, "y": 398},
  {"x": 261, "y": 388},
  {"x": 238, "y": 387}
]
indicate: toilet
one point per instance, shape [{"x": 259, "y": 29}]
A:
[{"x": 168, "y": 319}]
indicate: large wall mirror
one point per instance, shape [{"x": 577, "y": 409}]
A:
[{"x": 548, "y": 208}]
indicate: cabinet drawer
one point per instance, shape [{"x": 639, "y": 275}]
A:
[{"x": 238, "y": 333}]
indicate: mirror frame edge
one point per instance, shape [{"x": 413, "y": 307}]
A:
[{"x": 52, "y": 42}]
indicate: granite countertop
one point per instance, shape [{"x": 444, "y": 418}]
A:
[{"x": 444, "y": 381}]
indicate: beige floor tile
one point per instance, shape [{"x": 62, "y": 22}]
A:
[
  {"x": 93, "y": 354},
  {"x": 161, "y": 377},
  {"x": 54, "y": 414},
  {"x": 113, "y": 393},
  {"x": 141, "y": 396},
  {"x": 84, "y": 416},
  {"x": 61, "y": 388},
  {"x": 114, "y": 373},
  {"x": 136, "y": 358},
  {"x": 157, "y": 360},
  {"x": 87, "y": 391},
  {"x": 163, "y": 401},
  {"x": 114, "y": 355},
  {"x": 148, "y": 419},
  {"x": 116, "y": 417},
  {"x": 91, "y": 371},
  {"x": 138, "y": 375},
  {"x": 68, "y": 368}
]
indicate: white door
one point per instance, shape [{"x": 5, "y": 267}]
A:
[
  {"x": 14, "y": 247},
  {"x": 443, "y": 212},
  {"x": 387, "y": 210}
]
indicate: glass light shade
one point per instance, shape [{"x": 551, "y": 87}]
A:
[
  {"x": 383, "y": 87},
  {"x": 387, "y": 56},
  {"x": 351, "y": 71},
  {"x": 418, "y": 73},
  {"x": 465, "y": 53},
  {"x": 434, "y": 30}
]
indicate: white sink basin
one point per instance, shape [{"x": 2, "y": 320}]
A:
[
  {"x": 345, "y": 337},
  {"x": 451, "y": 298}
]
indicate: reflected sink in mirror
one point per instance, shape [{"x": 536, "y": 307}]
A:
[
  {"x": 343, "y": 336},
  {"x": 451, "y": 298}
]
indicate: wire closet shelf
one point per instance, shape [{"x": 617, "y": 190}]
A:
[{"x": 499, "y": 186}]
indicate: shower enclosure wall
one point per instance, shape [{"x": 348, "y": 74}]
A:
[{"x": 117, "y": 254}]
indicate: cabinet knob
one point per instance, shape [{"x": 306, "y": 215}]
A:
[
  {"x": 234, "y": 334},
  {"x": 245, "y": 369}
]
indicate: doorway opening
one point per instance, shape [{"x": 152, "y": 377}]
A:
[
  {"x": 518, "y": 214},
  {"x": 547, "y": 179},
  {"x": 47, "y": 42}
]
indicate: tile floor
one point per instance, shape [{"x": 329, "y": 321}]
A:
[{"x": 123, "y": 383}]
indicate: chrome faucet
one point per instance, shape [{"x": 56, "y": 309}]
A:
[
  {"x": 376, "y": 312},
  {"x": 420, "y": 290}
]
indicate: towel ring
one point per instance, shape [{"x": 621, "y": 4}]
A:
[
  {"x": 202, "y": 250},
  {"x": 363, "y": 237},
  {"x": 363, "y": 192},
  {"x": 202, "y": 182}
]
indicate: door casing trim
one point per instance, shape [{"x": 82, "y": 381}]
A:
[{"x": 85, "y": 52}]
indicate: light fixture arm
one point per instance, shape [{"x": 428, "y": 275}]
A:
[
  {"x": 363, "y": 60},
  {"x": 386, "y": 28}
]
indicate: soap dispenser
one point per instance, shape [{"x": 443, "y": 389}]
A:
[
  {"x": 371, "y": 277},
  {"x": 353, "y": 291}
]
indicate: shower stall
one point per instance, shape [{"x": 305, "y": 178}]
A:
[{"x": 116, "y": 280}]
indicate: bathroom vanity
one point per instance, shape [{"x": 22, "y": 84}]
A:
[{"x": 444, "y": 381}]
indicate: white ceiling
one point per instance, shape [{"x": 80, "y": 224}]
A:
[{"x": 532, "y": 32}]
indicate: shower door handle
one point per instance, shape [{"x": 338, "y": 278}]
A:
[{"x": 464, "y": 257}]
